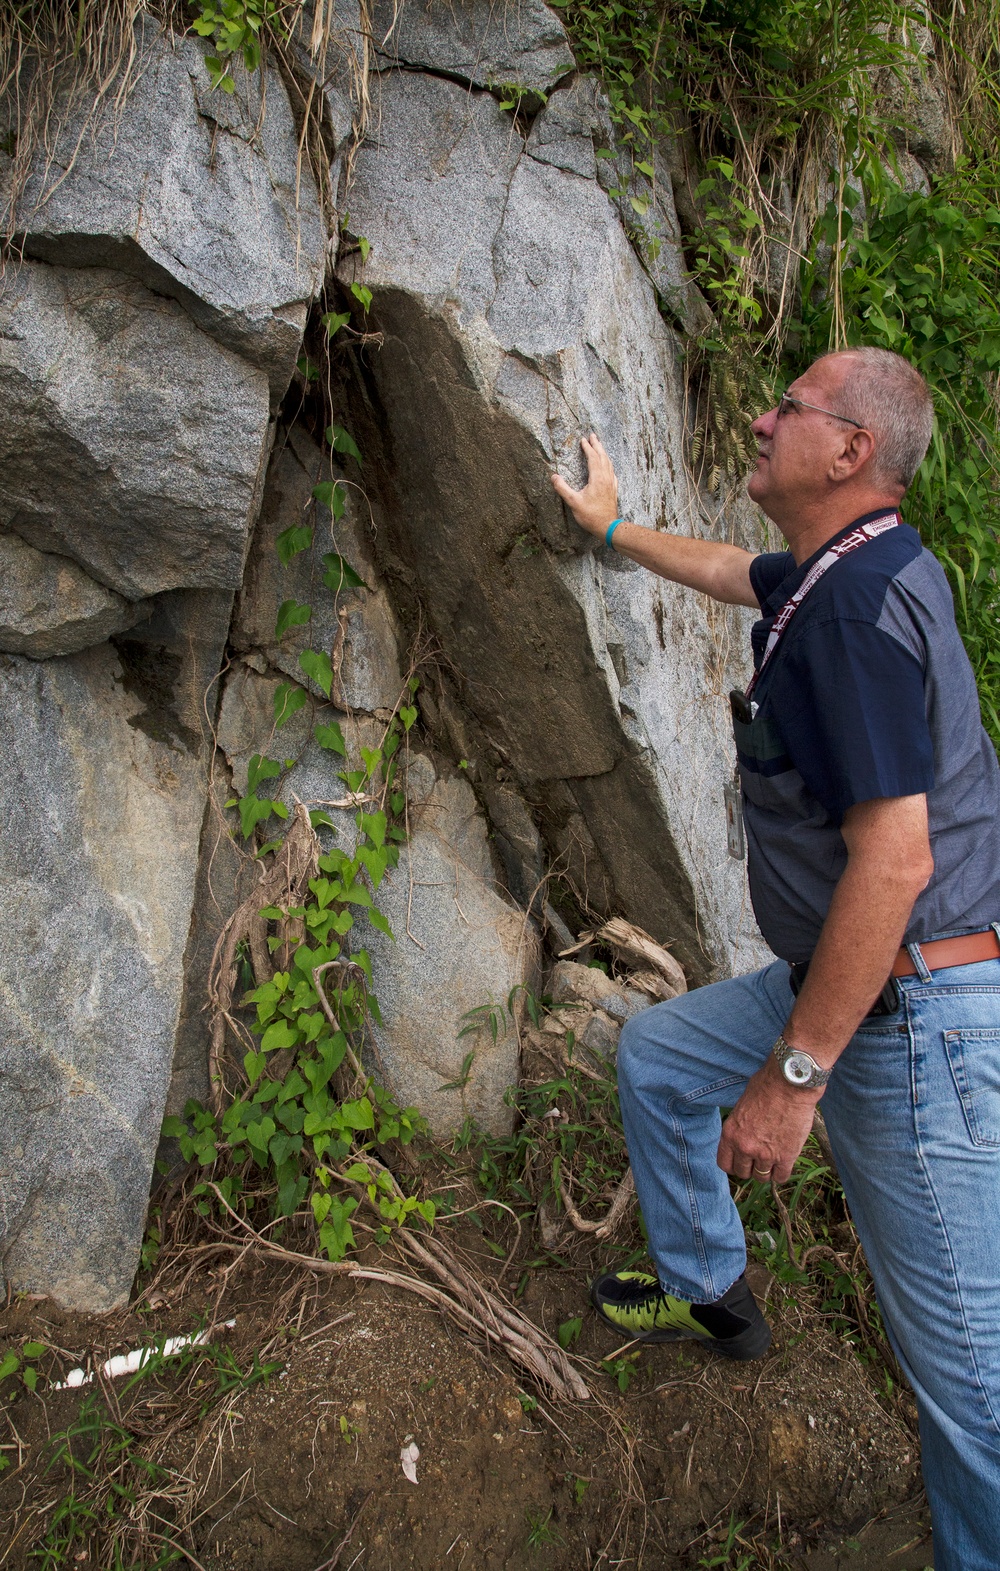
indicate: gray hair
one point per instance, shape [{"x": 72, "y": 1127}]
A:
[{"x": 892, "y": 400}]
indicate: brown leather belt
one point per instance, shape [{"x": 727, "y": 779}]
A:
[{"x": 942, "y": 952}]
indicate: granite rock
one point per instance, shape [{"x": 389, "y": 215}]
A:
[
  {"x": 516, "y": 317},
  {"x": 598, "y": 1038},
  {"x": 576, "y": 126},
  {"x": 357, "y": 623},
  {"x": 48, "y": 605},
  {"x": 129, "y": 441},
  {"x": 198, "y": 194},
  {"x": 458, "y": 942},
  {"x": 588, "y": 984},
  {"x": 521, "y": 44},
  {"x": 101, "y": 846},
  {"x": 458, "y": 946}
]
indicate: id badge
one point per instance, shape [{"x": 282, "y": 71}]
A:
[{"x": 736, "y": 843}]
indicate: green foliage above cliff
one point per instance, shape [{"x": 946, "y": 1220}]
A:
[
  {"x": 922, "y": 277},
  {"x": 786, "y": 129}
]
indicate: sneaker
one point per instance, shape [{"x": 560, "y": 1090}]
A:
[{"x": 637, "y": 1306}]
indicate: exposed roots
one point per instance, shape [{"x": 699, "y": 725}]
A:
[
  {"x": 479, "y": 1311},
  {"x": 283, "y": 881},
  {"x": 609, "y": 1224}
]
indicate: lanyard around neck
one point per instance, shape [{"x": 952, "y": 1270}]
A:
[{"x": 852, "y": 541}]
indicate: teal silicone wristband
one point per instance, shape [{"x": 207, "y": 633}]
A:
[{"x": 611, "y": 530}]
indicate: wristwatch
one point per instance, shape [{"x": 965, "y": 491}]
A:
[{"x": 799, "y": 1067}]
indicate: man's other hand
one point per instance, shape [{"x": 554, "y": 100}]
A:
[
  {"x": 596, "y": 506},
  {"x": 767, "y": 1128}
]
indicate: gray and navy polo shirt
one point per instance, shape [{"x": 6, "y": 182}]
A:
[{"x": 869, "y": 694}]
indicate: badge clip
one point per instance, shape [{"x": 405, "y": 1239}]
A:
[{"x": 736, "y": 843}]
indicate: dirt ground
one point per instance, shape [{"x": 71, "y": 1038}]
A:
[{"x": 789, "y": 1462}]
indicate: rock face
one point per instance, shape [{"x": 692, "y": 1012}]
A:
[
  {"x": 197, "y": 194},
  {"x": 102, "y": 820},
  {"x": 516, "y": 316},
  {"x": 458, "y": 944},
  {"x": 49, "y": 606},
  {"x": 460, "y": 951},
  {"x": 358, "y": 621},
  {"x": 521, "y": 46},
  {"x": 129, "y": 441},
  {"x": 170, "y": 257}
]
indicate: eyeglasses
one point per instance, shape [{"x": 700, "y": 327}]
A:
[{"x": 786, "y": 401}]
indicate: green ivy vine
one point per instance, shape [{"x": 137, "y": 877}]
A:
[{"x": 295, "y": 1140}]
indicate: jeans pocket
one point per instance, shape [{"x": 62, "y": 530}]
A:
[{"x": 974, "y": 1059}]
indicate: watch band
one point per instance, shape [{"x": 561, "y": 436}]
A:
[{"x": 799, "y": 1068}]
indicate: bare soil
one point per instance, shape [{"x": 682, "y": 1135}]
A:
[{"x": 303, "y": 1472}]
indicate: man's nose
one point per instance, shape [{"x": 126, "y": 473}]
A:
[{"x": 764, "y": 424}]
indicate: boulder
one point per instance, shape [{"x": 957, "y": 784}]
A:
[
  {"x": 48, "y": 605},
  {"x": 516, "y": 317},
  {"x": 103, "y": 790},
  {"x": 590, "y": 985},
  {"x": 459, "y": 953},
  {"x": 129, "y": 441},
  {"x": 198, "y": 194},
  {"x": 459, "y": 945},
  {"x": 522, "y": 46}
]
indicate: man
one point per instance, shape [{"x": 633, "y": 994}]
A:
[{"x": 870, "y": 794}]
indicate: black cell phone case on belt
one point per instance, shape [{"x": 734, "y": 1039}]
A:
[{"x": 887, "y": 1003}]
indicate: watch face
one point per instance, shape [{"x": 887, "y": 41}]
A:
[{"x": 798, "y": 1068}]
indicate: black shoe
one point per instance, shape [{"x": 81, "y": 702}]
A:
[{"x": 636, "y": 1305}]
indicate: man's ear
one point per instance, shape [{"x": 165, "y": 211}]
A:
[{"x": 857, "y": 451}]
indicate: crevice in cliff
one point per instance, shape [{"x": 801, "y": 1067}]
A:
[
  {"x": 469, "y": 540},
  {"x": 152, "y": 673}
]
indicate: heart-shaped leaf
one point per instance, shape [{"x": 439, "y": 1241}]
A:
[
  {"x": 291, "y": 541},
  {"x": 291, "y": 613},
  {"x": 316, "y": 665},
  {"x": 254, "y": 1064}
]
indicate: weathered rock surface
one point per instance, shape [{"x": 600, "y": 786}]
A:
[
  {"x": 458, "y": 947},
  {"x": 48, "y": 605},
  {"x": 516, "y": 317},
  {"x": 572, "y": 129},
  {"x": 521, "y": 45},
  {"x": 356, "y": 623},
  {"x": 102, "y": 814},
  {"x": 919, "y": 97},
  {"x": 197, "y": 194},
  {"x": 129, "y": 441},
  {"x": 144, "y": 343}
]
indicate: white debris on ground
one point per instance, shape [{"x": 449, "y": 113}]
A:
[{"x": 130, "y": 1363}]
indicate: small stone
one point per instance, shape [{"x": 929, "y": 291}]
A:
[
  {"x": 587, "y": 984},
  {"x": 599, "y": 1037}
]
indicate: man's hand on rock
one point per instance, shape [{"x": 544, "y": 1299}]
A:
[
  {"x": 767, "y": 1128},
  {"x": 596, "y": 505}
]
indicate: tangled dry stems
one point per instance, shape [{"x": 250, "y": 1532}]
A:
[{"x": 65, "y": 65}]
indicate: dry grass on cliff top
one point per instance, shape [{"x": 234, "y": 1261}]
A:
[{"x": 73, "y": 64}]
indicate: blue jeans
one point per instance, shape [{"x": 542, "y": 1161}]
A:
[{"x": 913, "y": 1113}]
